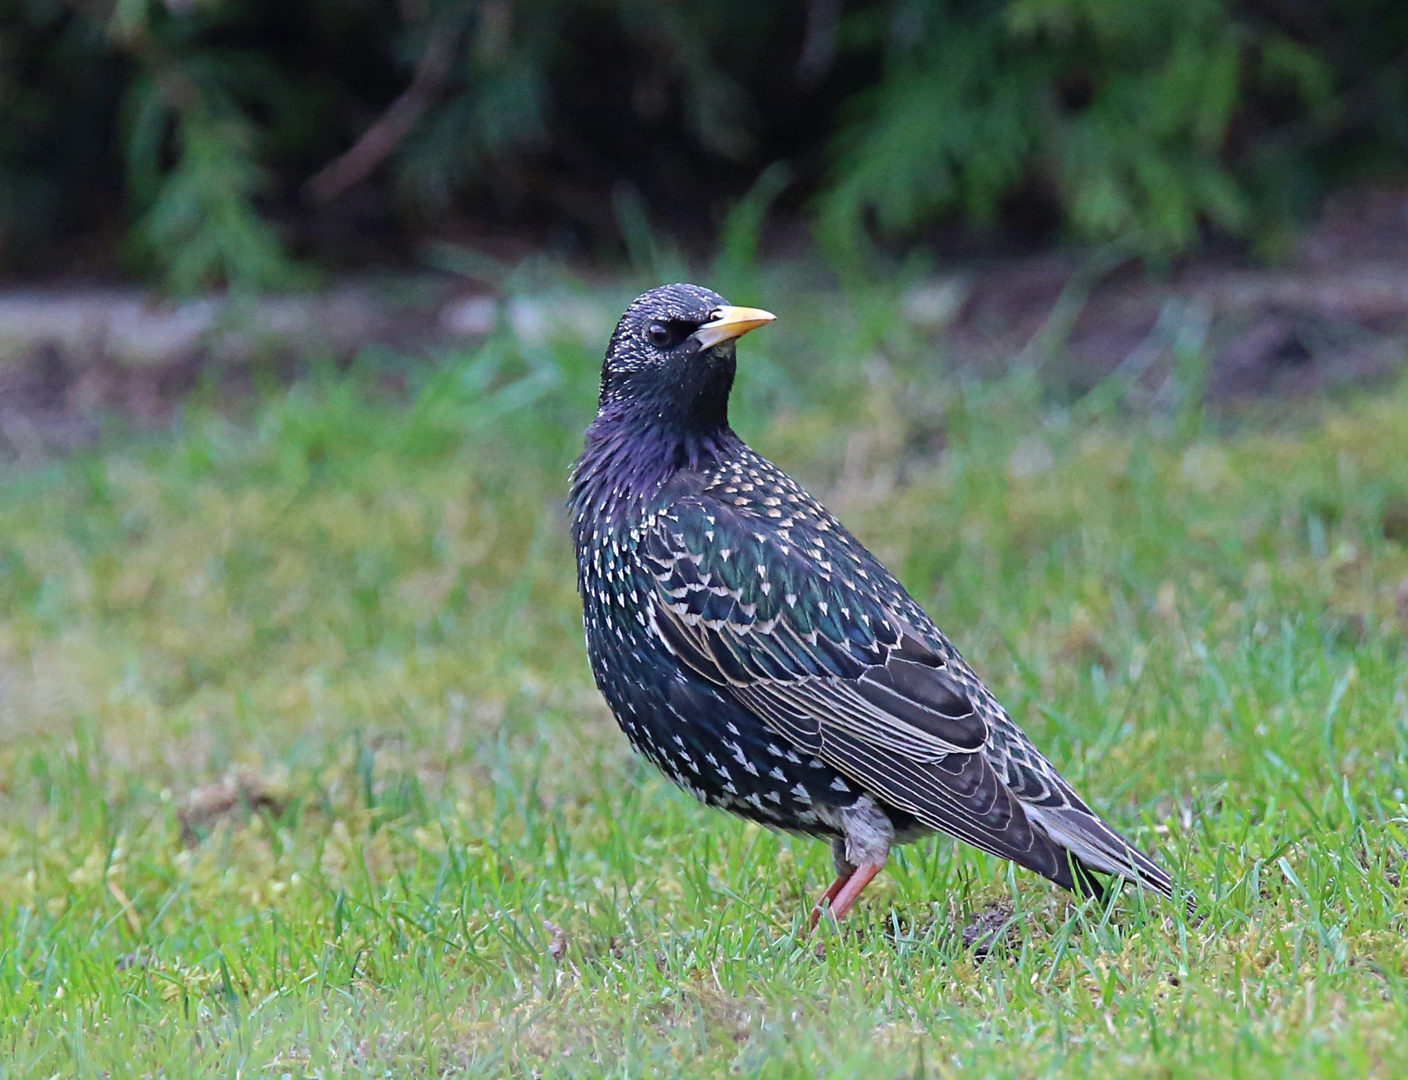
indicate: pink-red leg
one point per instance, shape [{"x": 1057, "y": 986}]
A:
[
  {"x": 829, "y": 897},
  {"x": 844, "y": 892},
  {"x": 850, "y": 892}
]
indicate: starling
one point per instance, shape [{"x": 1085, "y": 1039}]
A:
[{"x": 764, "y": 660}]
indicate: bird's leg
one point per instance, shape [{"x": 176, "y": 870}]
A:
[
  {"x": 842, "y": 902},
  {"x": 844, "y": 872},
  {"x": 858, "y": 855}
]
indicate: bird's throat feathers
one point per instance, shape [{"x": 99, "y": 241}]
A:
[{"x": 628, "y": 464}]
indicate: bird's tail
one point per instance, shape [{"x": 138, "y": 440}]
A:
[{"x": 1094, "y": 845}]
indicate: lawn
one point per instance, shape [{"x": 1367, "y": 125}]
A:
[{"x": 302, "y": 772}]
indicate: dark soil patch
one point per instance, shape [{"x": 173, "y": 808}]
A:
[{"x": 1335, "y": 314}]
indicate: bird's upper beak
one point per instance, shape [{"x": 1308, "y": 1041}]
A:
[{"x": 731, "y": 322}]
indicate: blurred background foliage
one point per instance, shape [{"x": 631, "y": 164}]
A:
[{"x": 246, "y": 142}]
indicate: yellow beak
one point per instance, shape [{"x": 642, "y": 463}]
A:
[{"x": 731, "y": 322}]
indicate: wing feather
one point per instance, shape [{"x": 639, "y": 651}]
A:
[{"x": 843, "y": 664}]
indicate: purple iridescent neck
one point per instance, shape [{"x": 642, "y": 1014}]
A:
[{"x": 628, "y": 461}]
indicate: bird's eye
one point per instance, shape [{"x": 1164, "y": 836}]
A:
[{"x": 659, "y": 335}]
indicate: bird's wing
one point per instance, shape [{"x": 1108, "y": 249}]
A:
[{"x": 805, "y": 628}]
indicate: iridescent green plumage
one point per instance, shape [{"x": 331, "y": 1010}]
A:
[{"x": 763, "y": 658}]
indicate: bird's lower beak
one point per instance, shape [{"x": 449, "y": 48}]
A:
[{"x": 731, "y": 322}]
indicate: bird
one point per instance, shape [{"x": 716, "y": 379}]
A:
[{"x": 753, "y": 650}]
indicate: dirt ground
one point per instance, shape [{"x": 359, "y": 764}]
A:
[{"x": 1334, "y": 314}]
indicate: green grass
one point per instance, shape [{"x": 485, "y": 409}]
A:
[{"x": 302, "y": 772}]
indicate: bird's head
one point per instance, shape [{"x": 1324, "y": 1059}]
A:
[{"x": 671, "y": 361}]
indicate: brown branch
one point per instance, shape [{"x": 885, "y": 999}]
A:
[{"x": 391, "y": 126}]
